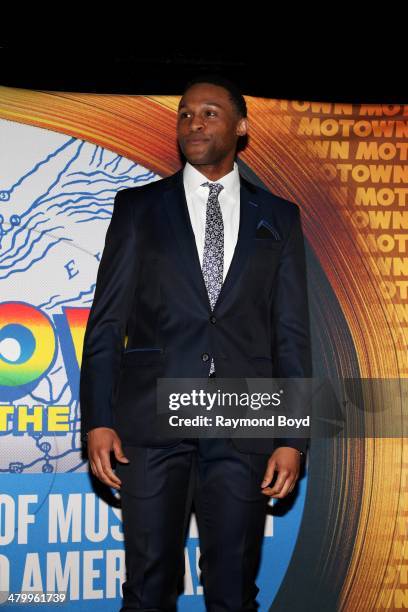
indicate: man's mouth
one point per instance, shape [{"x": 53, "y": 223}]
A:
[{"x": 196, "y": 140}]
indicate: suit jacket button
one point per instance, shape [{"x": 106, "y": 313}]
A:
[
  {"x": 205, "y": 356},
  {"x": 213, "y": 319}
]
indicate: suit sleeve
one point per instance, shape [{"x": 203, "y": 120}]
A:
[
  {"x": 106, "y": 327},
  {"x": 290, "y": 317}
]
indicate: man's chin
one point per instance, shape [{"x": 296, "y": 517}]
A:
[{"x": 197, "y": 160}]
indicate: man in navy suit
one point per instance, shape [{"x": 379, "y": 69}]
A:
[{"x": 205, "y": 274}]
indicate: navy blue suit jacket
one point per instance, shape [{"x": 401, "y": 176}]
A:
[{"x": 150, "y": 287}]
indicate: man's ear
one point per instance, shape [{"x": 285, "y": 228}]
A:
[{"x": 242, "y": 126}]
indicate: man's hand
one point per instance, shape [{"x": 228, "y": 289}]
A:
[
  {"x": 286, "y": 461},
  {"x": 101, "y": 441}
]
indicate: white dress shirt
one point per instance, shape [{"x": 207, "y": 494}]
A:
[{"x": 229, "y": 199}]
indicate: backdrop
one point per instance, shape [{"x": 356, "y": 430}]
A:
[{"x": 340, "y": 543}]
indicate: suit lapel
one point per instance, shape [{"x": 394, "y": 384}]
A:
[
  {"x": 179, "y": 219},
  {"x": 248, "y": 220}
]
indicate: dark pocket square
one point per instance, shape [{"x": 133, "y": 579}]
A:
[{"x": 266, "y": 230}]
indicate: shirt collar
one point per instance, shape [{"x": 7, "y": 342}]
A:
[{"x": 193, "y": 178}]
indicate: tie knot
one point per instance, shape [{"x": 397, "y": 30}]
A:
[{"x": 215, "y": 188}]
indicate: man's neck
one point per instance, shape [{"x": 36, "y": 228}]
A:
[{"x": 213, "y": 173}]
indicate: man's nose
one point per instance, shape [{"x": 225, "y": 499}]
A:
[{"x": 196, "y": 124}]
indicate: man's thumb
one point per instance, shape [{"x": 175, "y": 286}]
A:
[
  {"x": 268, "y": 474},
  {"x": 118, "y": 452}
]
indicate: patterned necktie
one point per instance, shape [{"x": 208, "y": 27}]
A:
[{"x": 213, "y": 257}]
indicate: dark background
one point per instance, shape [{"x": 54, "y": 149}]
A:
[{"x": 295, "y": 69}]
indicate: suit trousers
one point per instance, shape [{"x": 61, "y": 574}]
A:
[{"x": 159, "y": 488}]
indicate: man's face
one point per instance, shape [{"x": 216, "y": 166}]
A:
[{"x": 208, "y": 124}]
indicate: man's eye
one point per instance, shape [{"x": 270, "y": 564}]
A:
[{"x": 185, "y": 114}]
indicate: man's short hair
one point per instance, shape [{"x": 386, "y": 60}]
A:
[{"x": 235, "y": 94}]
